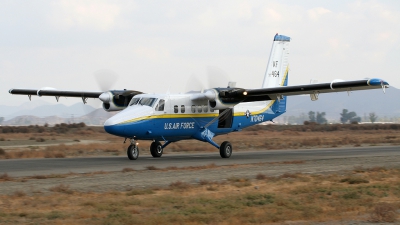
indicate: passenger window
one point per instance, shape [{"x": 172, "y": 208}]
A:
[
  {"x": 160, "y": 106},
  {"x": 205, "y": 108},
  {"x": 182, "y": 108},
  {"x": 199, "y": 109},
  {"x": 175, "y": 109},
  {"x": 193, "y": 108}
]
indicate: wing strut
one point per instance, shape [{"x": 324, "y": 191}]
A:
[
  {"x": 84, "y": 99},
  {"x": 383, "y": 87}
]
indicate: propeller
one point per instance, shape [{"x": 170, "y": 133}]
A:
[
  {"x": 216, "y": 77},
  {"x": 105, "y": 79}
]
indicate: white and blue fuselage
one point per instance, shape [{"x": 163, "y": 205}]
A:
[{"x": 181, "y": 118}]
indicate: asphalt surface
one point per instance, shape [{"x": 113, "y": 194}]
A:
[{"x": 29, "y": 167}]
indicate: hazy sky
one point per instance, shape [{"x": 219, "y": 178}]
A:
[{"x": 154, "y": 46}]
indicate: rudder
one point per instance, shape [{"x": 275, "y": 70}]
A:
[{"x": 278, "y": 63}]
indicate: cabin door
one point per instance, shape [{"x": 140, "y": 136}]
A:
[{"x": 226, "y": 120}]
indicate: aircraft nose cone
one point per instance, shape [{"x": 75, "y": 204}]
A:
[
  {"x": 117, "y": 130},
  {"x": 111, "y": 127}
]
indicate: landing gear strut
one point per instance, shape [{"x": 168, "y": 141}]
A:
[
  {"x": 156, "y": 149},
  {"x": 225, "y": 150},
  {"x": 133, "y": 150}
]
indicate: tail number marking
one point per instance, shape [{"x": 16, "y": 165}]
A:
[
  {"x": 274, "y": 74},
  {"x": 257, "y": 118}
]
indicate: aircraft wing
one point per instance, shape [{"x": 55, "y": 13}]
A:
[
  {"x": 57, "y": 93},
  {"x": 313, "y": 89},
  {"x": 106, "y": 97}
]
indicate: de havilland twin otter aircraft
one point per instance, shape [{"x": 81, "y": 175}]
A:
[{"x": 204, "y": 114}]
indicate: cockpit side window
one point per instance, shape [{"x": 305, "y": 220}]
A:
[
  {"x": 160, "y": 105},
  {"x": 147, "y": 101},
  {"x": 134, "y": 101}
]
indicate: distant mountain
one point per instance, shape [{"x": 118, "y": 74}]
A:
[
  {"x": 7, "y": 111},
  {"x": 361, "y": 102},
  {"x": 46, "y": 110},
  {"x": 96, "y": 117}
]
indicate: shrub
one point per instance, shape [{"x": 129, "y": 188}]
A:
[
  {"x": 261, "y": 176},
  {"x": 40, "y": 140},
  {"x": 383, "y": 212},
  {"x": 351, "y": 195},
  {"x": 19, "y": 194},
  {"x": 354, "y": 180},
  {"x": 151, "y": 168},
  {"x": 5, "y": 177},
  {"x": 140, "y": 192},
  {"x": 54, "y": 215},
  {"x": 179, "y": 185},
  {"x": 127, "y": 169},
  {"x": 62, "y": 188}
]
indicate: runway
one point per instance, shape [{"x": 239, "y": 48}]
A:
[{"x": 29, "y": 167}]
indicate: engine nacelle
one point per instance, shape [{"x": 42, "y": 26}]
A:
[
  {"x": 115, "y": 100},
  {"x": 218, "y": 104},
  {"x": 226, "y": 97},
  {"x": 110, "y": 107}
]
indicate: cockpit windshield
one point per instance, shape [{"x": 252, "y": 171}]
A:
[
  {"x": 134, "y": 101},
  {"x": 143, "y": 101},
  {"x": 147, "y": 101}
]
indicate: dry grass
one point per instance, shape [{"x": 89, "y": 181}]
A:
[
  {"x": 5, "y": 177},
  {"x": 179, "y": 185},
  {"x": 384, "y": 212},
  {"x": 127, "y": 169},
  {"x": 302, "y": 197},
  {"x": 61, "y": 188},
  {"x": 256, "y": 138},
  {"x": 151, "y": 168}
]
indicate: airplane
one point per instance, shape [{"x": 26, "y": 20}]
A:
[{"x": 204, "y": 114}]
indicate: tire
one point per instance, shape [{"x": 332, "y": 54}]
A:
[
  {"x": 156, "y": 149},
  {"x": 132, "y": 152},
  {"x": 225, "y": 150}
]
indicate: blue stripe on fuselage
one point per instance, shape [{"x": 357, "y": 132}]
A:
[{"x": 174, "y": 129}]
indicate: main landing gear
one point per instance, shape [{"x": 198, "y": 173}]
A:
[
  {"x": 156, "y": 149},
  {"x": 225, "y": 150}
]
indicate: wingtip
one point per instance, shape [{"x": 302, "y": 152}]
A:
[{"x": 377, "y": 82}]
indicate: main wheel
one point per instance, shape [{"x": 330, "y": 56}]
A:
[
  {"x": 156, "y": 149},
  {"x": 225, "y": 150},
  {"x": 132, "y": 152}
]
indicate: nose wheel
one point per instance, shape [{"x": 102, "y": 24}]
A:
[
  {"x": 156, "y": 149},
  {"x": 133, "y": 150}
]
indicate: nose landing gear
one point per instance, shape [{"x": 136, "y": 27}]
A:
[{"x": 133, "y": 150}]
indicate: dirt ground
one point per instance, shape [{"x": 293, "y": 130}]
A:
[
  {"x": 359, "y": 190},
  {"x": 81, "y": 141}
]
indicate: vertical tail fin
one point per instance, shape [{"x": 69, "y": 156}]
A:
[{"x": 278, "y": 63}]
